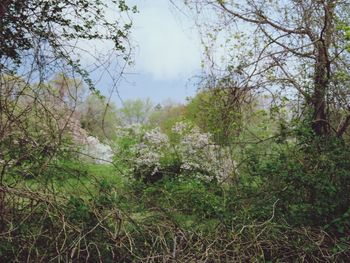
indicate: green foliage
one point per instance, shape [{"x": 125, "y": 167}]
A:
[
  {"x": 55, "y": 23},
  {"x": 346, "y": 30},
  {"x": 78, "y": 211},
  {"x": 265, "y": 189},
  {"x": 165, "y": 116},
  {"x": 135, "y": 111},
  {"x": 192, "y": 198},
  {"x": 310, "y": 180},
  {"x": 123, "y": 146},
  {"x": 214, "y": 112},
  {"x": 99, "y": 118}
]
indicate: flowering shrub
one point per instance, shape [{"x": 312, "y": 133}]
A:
[
  {"x": 187, "y": 151},
  {"x": 95, "y": 151},
  {"x": 200, "y": 156},
  {"x": 123, "y": 147}
]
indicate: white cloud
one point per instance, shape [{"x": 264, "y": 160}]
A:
[
  {"x": 167, "y": 56},
  {"x": 167, "y": 49}
]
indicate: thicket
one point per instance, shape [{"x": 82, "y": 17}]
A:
[
  {"x": 224, "y": 178},
  {"x": 284, "y": 198}
]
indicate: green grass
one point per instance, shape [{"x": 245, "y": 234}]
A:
[{"x": 73, "y": 178}]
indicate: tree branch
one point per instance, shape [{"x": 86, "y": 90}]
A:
[
  {"x": 343, "y": 126},
  {"x": 3, "y": 7},
  {"x": 263, "y": 21}
]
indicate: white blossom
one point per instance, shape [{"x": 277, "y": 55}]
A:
[
  {"x": 156, "y": 137},
  {"x": 97, "y": 151},
  {"x": 198, "y": 155},
  {"x": 180, "y": 127}
]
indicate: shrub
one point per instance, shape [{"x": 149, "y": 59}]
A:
[
  {"x": 310, "y": 180},
  {"x": 186, "y": 151}
]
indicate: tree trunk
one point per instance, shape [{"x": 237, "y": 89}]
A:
[
  {"x": 320, "y": 123},
  {"x": 322, "y": 74}
]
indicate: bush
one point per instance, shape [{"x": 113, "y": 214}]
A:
[
  {"x": 311, "y": 180},
  {"x": 186, "y": 151}
]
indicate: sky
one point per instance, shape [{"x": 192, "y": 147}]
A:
[{"x": 167, "y": 54}]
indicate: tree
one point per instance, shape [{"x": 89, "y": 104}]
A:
[
  {"x": 40, "y": 38},
  {"x": 99, "y": 118},
  {"x": 218, "y": 111},
  {"x": 299, "y": 53},
  {"x": 26, "y": 25},
  {"x": 166, "y": 115},
  {"x": 136, "y": 111}
]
